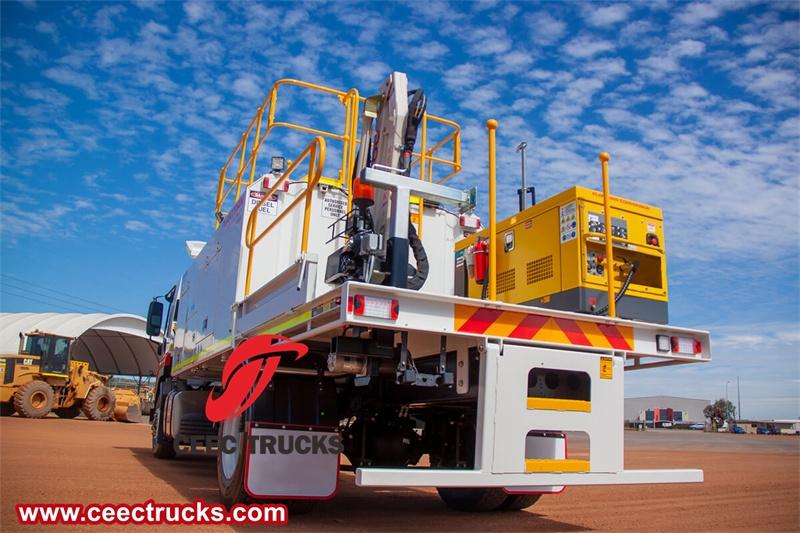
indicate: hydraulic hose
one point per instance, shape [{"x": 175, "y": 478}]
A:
[{"x": 621, "y": 293}]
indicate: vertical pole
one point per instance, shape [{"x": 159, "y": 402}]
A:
[
  {"x": 739, "y": 397},
  {"x": 612, "y": 305},
  {"x": 491, "y": 125},
  {"x": 523, "y": 194},
  {"x": 727, "y": 403}
]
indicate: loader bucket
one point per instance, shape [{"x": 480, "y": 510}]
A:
[{"x": 128, "y": 407}]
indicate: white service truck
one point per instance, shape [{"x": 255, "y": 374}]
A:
[{"x": 365, "y": 311}]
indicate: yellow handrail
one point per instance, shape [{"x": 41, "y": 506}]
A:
[
  {"x": 491, "y": 125},
  {"x": 612, "y": 303},
  {"x": 349, "y": 99},
  {"x": 316, "y": 154},
  {"x": 248, "y": 155}
]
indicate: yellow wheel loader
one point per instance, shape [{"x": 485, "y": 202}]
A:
[{"x": 42, "y": 377}]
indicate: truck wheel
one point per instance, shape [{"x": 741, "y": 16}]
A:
[
  {"x": 99, "y": 404},
  {"x": 34, "y": 399},
  {"x": 231, "y": 469},
  {"x": 231, "y": 466},
  {"x": 68, "y": 412},
  {"x": 478, "y": 499},
  {"x": 517, "y": 502},
  {"x": 7, "y": 408},
  {"x": 161, "y": 450}
]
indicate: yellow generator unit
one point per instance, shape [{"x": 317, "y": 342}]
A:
[{"x": 553, "y": 255}]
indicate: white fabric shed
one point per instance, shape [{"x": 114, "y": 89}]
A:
[{"x": 112, "y": 344}]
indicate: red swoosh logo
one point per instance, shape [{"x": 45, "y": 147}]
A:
[{"x": 247, "y": 372}]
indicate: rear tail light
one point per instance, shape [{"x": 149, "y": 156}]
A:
[
  {"x": 371, "y": 306},
  {"x": 678, "y": 345}
]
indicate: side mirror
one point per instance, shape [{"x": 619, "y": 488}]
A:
[{"x": 155, "y": 315}]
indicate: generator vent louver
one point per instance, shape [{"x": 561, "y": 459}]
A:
[
  {"x": 539, "y": 270},
  {"x": 505, "y": 281}
]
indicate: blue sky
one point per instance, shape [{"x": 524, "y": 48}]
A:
[{"x": 116, "y": 118}]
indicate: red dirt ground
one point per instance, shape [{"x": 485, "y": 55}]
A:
[{"x": 752, "y": 483}]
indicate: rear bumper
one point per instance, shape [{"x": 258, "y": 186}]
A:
[{"x": 417, "y": 477}]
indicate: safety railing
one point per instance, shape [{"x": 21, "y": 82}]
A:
[
  {"x": 248, "y": 158},
  {"x": 425, "y": 158},
  {"x": 316, "y": 162},
  {"x": 253, "y": 138}
]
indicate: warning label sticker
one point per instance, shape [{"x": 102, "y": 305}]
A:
[
  {"x": 269, "y": 207},
  {"x": 606, "y": 368},
  {"x": 569, "y": 222},
  {"x": 334, "y": 205}
]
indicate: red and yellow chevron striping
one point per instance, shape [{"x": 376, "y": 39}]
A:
[{"x": 528, "y": 326}]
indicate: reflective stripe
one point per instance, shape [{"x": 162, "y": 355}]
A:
[{"x": 530, "y": 326}]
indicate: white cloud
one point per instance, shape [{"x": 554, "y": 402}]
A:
[
  {"x": 196, "y": 11},
  {"x": 688, "y": 92},
  {"x": 489, "y": 41},
  {"x": 608, "y": 15},
  {"x": 367, "y": 29},
  {"x": 515, "y": 61},
  {"x": 137, "y": 226},
  {"x": 464, "y": 76},
  {"x": 49, "y": 95},
  {"x": 371, "y": 73},
  {"x": 247, "y": 86},
  {"x": 687, "y": 47},
  {"x": 568, "y": 105},
  {"x": 427, "y": 55},
  {"x": 659, "y": 65},
  {"x": 544, "y": 29},
  {"x": 147, "y": 4},
  {"x": 772, "y": 34},
  {"x": 638, "y": 33},
  {"x": 778, "y": 85},
  {"x": 587, "y": 46},
  {"x": 77, "y": 59},
  {"x": 67, "y": 76},
  {"x": 104, "y": 18},
  {"x": 697, "y": 13},
  {"x": 607, "y": 68},
  {"x": 47, "y": 27},
  {"x": 23, "y": 49}
]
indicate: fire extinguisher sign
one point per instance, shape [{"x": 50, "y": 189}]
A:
[{"x": 269, "y": 207}]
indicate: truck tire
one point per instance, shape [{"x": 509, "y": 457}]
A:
[
  {"x": 67, "y": 412},
  {"x": 517, "y": 502},
  {"x": 34, "y": 399},
  {"x": 7, "y": 408},
  {"x": 161, "y": 450},
  {"x": 478, "y": 499},
  {"x": 231, "y": 466},
  {"x": 231, "y": 470},
  {"x": 99, "y": 404}
]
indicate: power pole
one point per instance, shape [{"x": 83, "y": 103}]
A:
[
  {"x": 727, "y": 402},
  {"x": 739, "y": 397}
]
